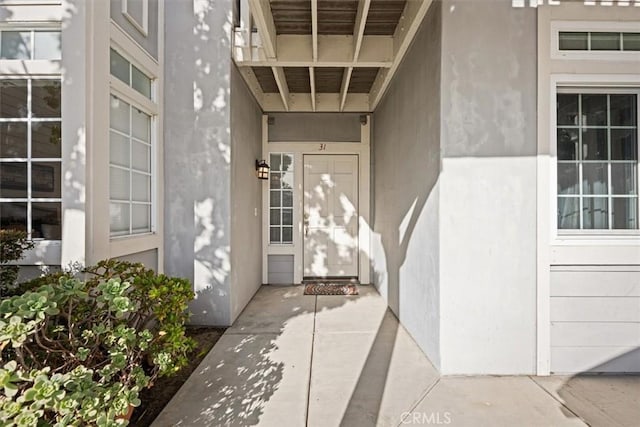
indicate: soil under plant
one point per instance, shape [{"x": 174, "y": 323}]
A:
[{"x": 157, "y": 397}]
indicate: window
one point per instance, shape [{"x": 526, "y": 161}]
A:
[
  {"x": 30, "y": 44},
  {"x": 598, "y": 41},
  {"x": 597, "y": 152},
  {"x": 131, "y": 149},
  {"x": 281, "y": 198},
  {"x": 129, "y": 169},
  {"x": 129, "y": 74},
  {"x": 30, "y": 156}
]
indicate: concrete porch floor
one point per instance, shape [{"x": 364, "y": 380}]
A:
[{"x": 296, "y": 360}]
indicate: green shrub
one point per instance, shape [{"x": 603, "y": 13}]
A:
[
  {"x": 79, "y": 351},
  {"x": 13, "y": 243}
]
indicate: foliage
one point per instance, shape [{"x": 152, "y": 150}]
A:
[
  {"x": 13, "y": 243},
  {"x": 79, "y": 351}
]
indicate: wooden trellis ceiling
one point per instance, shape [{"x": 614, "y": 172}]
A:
[{"x": 323, "y": 55}]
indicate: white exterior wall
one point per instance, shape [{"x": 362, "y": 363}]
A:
[
  {"x": 213, "y": 134},
  {"x": 406, "y": 190},
  {"x": 588, "y": 286},
  {"x": 246, "y": 200},
  {"x": 488, "y": 189},
  {"x": 198, "y": 153}
]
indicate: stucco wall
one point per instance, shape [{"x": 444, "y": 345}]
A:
[
  {"x": 488, "y": 188},
  {"x": 406, "y": 167},
  {"x": 198, "y": 153},
  {"x": 246, "y": 197},
  {"x": 147, "y": 258},
  {"x": 315, "y": 127}
]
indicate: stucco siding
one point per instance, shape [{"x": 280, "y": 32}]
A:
[
  {"x": 198, "y": 154},
  {"x": 246, "y": 195},
  {"x": 406, "y": 169},
  {"x": 314, "y": 127},
  {"x": 147, "y": 258},
  {"x": 488, "y": 189}
]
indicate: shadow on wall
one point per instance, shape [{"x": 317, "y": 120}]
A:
[
  {"x": 406, "y": 153},
  {"x": 197, "y": 152}
]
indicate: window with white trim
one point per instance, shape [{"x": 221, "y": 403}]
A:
[
  {"x": 131, "y": 149},
  {"x": 30, "y": 156},
  {"x": 26, "y": 44},
  {"x": 137, "y": 12},
  {"x": 597, "y": 160},
  {"x": 281, "y": 198},
  {"x": 129, "y": 74},
  {"x": 598, "y": 41}
]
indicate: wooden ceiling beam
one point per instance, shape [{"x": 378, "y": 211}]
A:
[
  {"x": 254, "y": 86},
  {"x": 312, "y": 81},
  {"x": 334, "y": 51},
  {"x": 281, "y": 81},
  {"x": 261, "y": 12},
  {"x": 361, "y": 23},
  {"x": 314, "y": 29},
  {"x": 344, "y": 88},
  {"x": 325, "y": 102}
]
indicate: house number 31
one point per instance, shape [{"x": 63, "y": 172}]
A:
[{"x": 323, "y": 147}]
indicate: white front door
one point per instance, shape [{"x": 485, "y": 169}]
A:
[{"x": 330, "y": 215}]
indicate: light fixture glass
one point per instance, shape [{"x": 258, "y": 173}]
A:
[{"x": 262, "y": 169}]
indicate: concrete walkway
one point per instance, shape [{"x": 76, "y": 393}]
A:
[{"x": 296, "y": 360}]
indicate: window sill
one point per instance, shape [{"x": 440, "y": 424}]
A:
[
  {"x": 132, "y": 236},
  {"x": 130, "y": 244},
  {"x": 604, "y": 238}
]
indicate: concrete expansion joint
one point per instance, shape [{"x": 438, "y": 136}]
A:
[
  {"x": 558, "y": 400},
  {"x": 420, "y": 399},
  {"x": 313, "y": 338}
]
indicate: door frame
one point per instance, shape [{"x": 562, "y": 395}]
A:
[{"x": 299, "y": 149}]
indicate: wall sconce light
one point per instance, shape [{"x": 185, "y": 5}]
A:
[{"x": 262, "y": 169}]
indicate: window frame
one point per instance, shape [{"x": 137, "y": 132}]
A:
[
  {"x": 29, "y": 159},
  {"x": 281, "y": 207},
  {"x": 593, "y": 27},
  {"x": 151, "y": 107},
  {"x": 578, "y": 88},
  {"x": 143, "y": 26},
  {"x": 33, "y": 28}
]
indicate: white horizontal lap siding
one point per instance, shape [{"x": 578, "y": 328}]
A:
[{"x": 595, "y": 321}]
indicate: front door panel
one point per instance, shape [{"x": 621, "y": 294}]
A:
[{"x": 331, "y": 215}]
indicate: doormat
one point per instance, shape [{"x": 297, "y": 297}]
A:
[{"x": 331, "y": 288}]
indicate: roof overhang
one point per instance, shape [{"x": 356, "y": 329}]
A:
[{"x": 323, "y": 55}]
